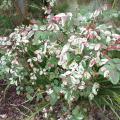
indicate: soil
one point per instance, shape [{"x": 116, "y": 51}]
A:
[{"x": 12, "y": 107}]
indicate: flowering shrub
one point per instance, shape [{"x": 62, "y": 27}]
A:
[{"x": 68, "y": 59}]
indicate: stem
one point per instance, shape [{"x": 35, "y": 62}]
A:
[
  {"x": 113, "y": 5},
  {"x": 6, "y": 91},
  {"x": 37, "y": 111}
]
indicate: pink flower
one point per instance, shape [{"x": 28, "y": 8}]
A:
[
  {"x": 15, "y": 61},
  {"x": 56, "y": 19},
  {"x": 61, "y": 18}
]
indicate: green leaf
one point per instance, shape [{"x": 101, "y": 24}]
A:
[
  {"x": 71, "y": 57},
  {"x": 53, "y": 60},
  {"x": 114, "y": 76},
  {"x": 116, "y": 60},
  {"x": 43, "y": 27},
  {"x": 118, "y": 67},
  {"x": 77, "y": 113},
  {"x": 53, "y": 98},
  {"x": 78, "y": 58},
  {"x": 29, "y": 89},
  {"x": 52, "y": 75},
  {"x": 29, "y": 97}
]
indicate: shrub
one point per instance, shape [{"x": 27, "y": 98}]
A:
[{"x": 68, "y": 60}]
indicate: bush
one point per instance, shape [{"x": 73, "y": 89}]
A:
[{"x": 69, "y": 60}]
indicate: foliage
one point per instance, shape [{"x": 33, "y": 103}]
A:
[{"x": 68, "y": 59}]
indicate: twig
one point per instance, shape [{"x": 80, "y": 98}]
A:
[
  {"x": 6, "y": 91},
  {"x": 40, "y": 109}
]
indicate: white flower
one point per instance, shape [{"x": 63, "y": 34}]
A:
[
  {"x": 12, "y": 34},
  {"x": 26, "y": 49},
  {"x": 106, "y": 73},
  {"x": 72, "y": 98},
  {"x": 15, "y": 61},
  {"x": 97, "y": 47},
  {"x": 35, "y": 70},
  {"x": 72, "y": 38},
  {"x": 25, "y": 40},
  {"x": 37, "y": 52},
  {"x": 103, "y": 69},
  {"x": 53, "y": 26},
  {"x": 87, "y": 75},
  {"x": 96, "y": 13},
  {"x": 44, "y": 110},
  {"x": 50, "y": 91},
  {"x": 11, "y": 71},
  {"x": 91, "y": 96},
  {"x": 3, "y": 116},
  {"x": 45, "y": 115},
  {"x": 95, "y": 88},
  {"x": 108, "y": 39},
  {"x": 67, "y": 73},
  {"x": 39, "y": 58},
  {"x": 33, "y": 77},
  {"x": 61, "y": 18},
  {"x": 107, "y": 33},
  {"x": 29, "y": 60},
  {"x": 82, "y": 85},
  {"x": 64, "y": 81},
  {"x": 41, "y": 72}
]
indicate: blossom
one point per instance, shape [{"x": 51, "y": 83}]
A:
[
  {"x": 91, "y": 96},
  {"x": 53, "y": 26},
  {"x": 87, "y": 75},
  {"x": 97, "y": 47},
  {"x": 107, "y": 33},
  {"x": 81, "y": 87},
  {"x": 47, "y": 10},
  {"x": 61, "y": 18},
  {"x": 64, "y": 81},
  {"x": 96, "y": 13},
  {"x": 15, "y": 61},
  {"x": 37, "y": 52},
  {"x": 106, "y": 73},
  {"x": 103, "y": 69},
  {"x": 50, "y": 91},
  {"x": 33, "y": 76},
  {"x": 95, "y": 88}
]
